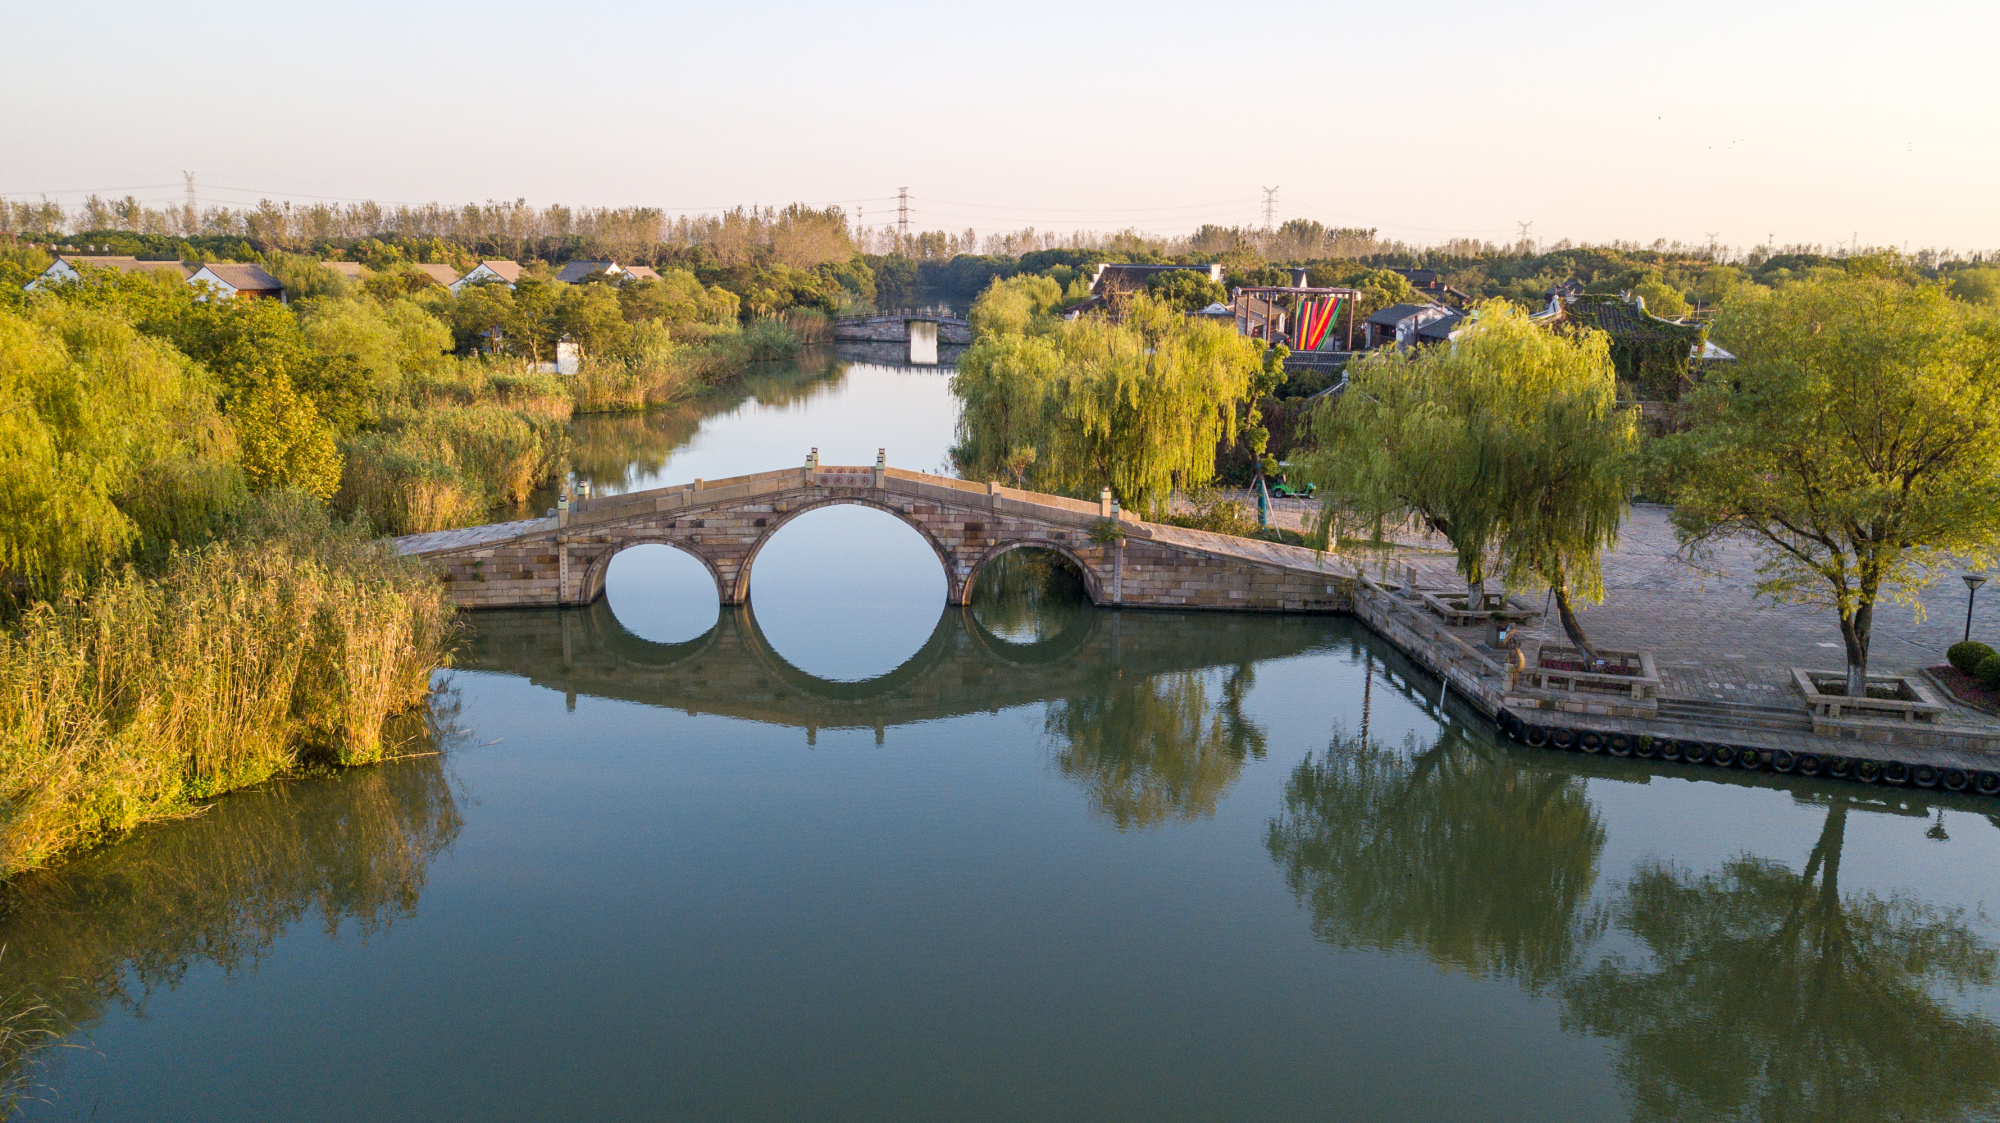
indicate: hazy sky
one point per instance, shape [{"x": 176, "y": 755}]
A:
[{"x": 1807, "y": 122}]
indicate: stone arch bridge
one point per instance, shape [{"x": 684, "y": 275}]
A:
[{"x": 724, "y": 524}]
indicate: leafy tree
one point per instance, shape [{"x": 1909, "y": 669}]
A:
[
  {"x": 382, "y": 342},
  {"x": 285, "y": 441},
  {"x": 1567, "y": 454},
  {"x": 1138, "y": 404},
  {"x": 1509, "y": 443},
  {"x": 89, "y": 409},
  {"x": 1662, "y": 299},
  {"x": 592, "y": 316},
  {"x": 1005, "y": 382},
  {"x": 1766, "y": 993},
  {"x": 305, "y": 278},
  {"x": 1979, "y": 285},
  {"x": 1188, "y": 290},
  {"x": 1451, "y": 850},
  {"x": 1018, "y": 305},
  {"x": 1855, "y": 443},
  {"x": 1402, "y": 442}
]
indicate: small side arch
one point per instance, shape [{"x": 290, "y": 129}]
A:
[
  {"x": 1091, "y": 585},
  {"x": 598, "y": 567},
  {"x": 952, "y": 583}
]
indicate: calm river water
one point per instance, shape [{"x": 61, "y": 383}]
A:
[{"x": 847, "y": 854}]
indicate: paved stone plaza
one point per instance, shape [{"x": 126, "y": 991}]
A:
[{"x": 1715, "y": 641}]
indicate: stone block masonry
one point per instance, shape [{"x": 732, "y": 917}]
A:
[{"x": 725, "y": 523}]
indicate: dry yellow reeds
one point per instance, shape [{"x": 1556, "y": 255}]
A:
[{"x": 240, "y": 660}]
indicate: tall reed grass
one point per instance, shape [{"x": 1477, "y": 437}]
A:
[
  {"x": 449, "y": 466},
  {"x": 288, "y": 642}
]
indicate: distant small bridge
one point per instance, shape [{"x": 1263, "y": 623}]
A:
[
  {"x": 724, "y": 524},
  {"x": 924, "y": 332}
]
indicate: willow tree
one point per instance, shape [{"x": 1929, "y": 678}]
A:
[
  {"x": 1857, "y": 442},
  {"x": 1004, "y": 382},
  {"x": 1137, "y": 404},
  {"x": 1402, "y": 442},
  {"x": 102, "y": 430},
  {"x": 1567, "y": 454},
  {"x": 1509, "y": 442}
]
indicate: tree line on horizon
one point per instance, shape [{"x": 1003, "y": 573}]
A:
[{"x": 823, "y": 258}]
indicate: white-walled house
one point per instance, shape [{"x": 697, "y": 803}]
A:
[
  {"x": 489, "y": 273},
  {"x": 239, "y": 279},
  {"x": 70, "y": 267}
]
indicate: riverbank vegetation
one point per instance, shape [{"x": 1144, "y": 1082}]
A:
[
  {"x": 1137, "y": 404},
  {"x": 193, "y": 593}
]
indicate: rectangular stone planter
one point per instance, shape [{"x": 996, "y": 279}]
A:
[
  {"x": 1634, "y": 694},
  {"x": 1908, "y": 718},
  {"x": 1456, "y": 606}
]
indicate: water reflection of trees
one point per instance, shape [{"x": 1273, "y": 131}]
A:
[
  {"x": 611, "y": 450},
  {"x": 1452, "y": 850},
  {"x": 1767, "y": 994},
  {"x": 109, "y": 928},
  {"x": 1148, "y": 749},
  {"x": 1029, "y": 596}
]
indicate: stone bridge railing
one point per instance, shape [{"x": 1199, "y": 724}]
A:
[
  {"x": 894, "y": 327},
  {"x": 725, "y": 523}
]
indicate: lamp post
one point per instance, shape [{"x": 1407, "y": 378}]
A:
[{"x": 1972, "y": 583}]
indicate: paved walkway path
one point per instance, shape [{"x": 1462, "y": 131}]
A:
[{"x": 1714, "y": 640}]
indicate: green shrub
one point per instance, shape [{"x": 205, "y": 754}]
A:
[
  {"x": 1988, "y": 671},
  {"x": 1968, "y": 655}
]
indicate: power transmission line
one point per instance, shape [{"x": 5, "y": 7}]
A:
[
  {"x": 903, "y": 213},
  {"x": 1270, "y": 204}
]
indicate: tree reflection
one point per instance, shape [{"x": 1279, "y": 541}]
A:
[
  {"x": 1766, "y": 994},
  {"x": 1154, "y": 748},
  {"x": 1029, "y": 596},
  {"x": 349, "y": 851},
  {"x": 1451, "y": 850}
]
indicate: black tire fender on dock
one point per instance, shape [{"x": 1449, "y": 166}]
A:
[
  {"x": 1955, "y": 779},
  {"x": 1896, "y": 772},
  {"x": 1647, "y": 748},
  {"x": 1987, "y": 783},
  {"x": 1809, "y": 764},
  {"x": 1694, "y": 752},
  {"x": 1562, "y": 738},
  {"x": 1782, "y": 761},
  {"x": 1924, "y": 776},
  {"x": 1618, "y": 744},
  {"x": 1672, "y": 750},
  {"x": 1590, "y": 741},
  {"x": 1868, "y": 771},
  {"x": 1536, "y": 735},
  {"x": 1749, "y": 759},
  {"x": 1723, "y": 755}
]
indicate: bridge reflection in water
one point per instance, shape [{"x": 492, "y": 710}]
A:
[{"x": 964, "y": 667}]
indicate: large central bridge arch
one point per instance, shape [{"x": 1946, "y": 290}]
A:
[{"x": 738, "y": 591}]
